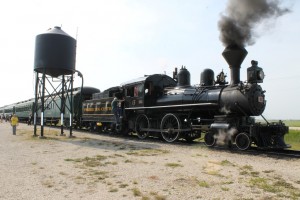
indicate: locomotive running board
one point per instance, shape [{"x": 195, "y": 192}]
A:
[{"x": 173, "y": 106}]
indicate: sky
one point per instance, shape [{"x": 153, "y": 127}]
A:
[{"x": 120, "y": 40}]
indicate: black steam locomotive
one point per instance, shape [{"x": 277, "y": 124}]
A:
[{"x": 171, "y": 108}]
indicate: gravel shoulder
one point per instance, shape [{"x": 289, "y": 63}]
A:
[{"x": 92, "y": 166}]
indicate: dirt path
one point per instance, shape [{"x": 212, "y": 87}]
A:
[{"x": 93, "y": 166}]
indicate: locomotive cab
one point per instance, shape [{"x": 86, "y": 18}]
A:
[{"x": 143, "y": 92}]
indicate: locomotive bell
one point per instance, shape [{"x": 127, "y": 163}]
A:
[{"x": 234, "y": 56}]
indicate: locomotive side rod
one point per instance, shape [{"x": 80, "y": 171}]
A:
[{"x": 164, "y": 130}]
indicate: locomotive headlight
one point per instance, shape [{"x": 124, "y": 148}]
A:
[
  {"x": 261, "y": 75},
  {"x": 255, "y": 74}
]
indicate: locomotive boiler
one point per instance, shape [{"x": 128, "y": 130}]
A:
[{"x": 169, "y": 107}]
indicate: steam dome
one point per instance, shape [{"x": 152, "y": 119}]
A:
[
  {"x": 184, "y": 77},
  {"x": 207, "y": 77}
]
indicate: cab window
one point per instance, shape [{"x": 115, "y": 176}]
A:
[{"x": 135, "y": 91}]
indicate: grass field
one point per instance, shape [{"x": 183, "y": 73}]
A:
[
  {"x": 292, "y": 123},
  {"x": 293, "y": 138}
]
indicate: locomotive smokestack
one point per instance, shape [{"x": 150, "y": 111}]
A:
[
  {"x": 234, "y": 56},
  {"x": 237, "y": 28}
]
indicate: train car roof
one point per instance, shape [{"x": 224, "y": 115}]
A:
[
  {"x": 88, "y": 90},
  {"x": 85, "y": 90},
  {"x": 153, "y": 77},
  {"x": 106, "y": 93}
]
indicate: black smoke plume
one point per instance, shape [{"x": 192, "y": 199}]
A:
[{"x": 241, "y": 17}]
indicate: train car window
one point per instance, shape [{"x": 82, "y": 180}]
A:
[
  {"x": 130, "y": 92},
  {"x": 135, "y": 91},
  {"x": 141, "y": 90}
]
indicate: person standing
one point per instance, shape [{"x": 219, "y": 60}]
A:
[
  {"x": 14, "y": 121},
  {"x": 121, "y": 105},
  {"x": 29, "y": 119},
  {"x": 114, "y": 106}
]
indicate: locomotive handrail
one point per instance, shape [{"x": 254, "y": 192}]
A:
[
  {"x": 173, "y": 106},
  {"x": 265, "y": 119},
  {"x": 239, "y": 107}
]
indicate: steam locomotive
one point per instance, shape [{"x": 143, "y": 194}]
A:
[{"x": 171, "y": 108}]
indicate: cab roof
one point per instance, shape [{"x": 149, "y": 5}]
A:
[{"x": 154, "y": 78}]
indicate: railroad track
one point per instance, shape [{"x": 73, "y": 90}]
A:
[
  {"x": 287, "y": 153},
  {"x": 282, "y": 153},
  {"x": 262, "y": 152}
]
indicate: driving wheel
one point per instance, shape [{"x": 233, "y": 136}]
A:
[
  {"x": 170, "y": 127},
  {"x": 243, "y": 141},
  {"x": 210, "y": 139},
  {"x": 142, "y": 123}
]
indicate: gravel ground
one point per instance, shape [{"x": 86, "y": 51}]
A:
[{"x": 92, "y": 166}]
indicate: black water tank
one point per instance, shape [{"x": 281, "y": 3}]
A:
[
  {"x": 55, "y": 52},
  {"x": 207, "y": 77},
  {"x": 184, "y": 77}
]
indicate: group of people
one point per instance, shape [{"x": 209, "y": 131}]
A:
[
  {"x": 6, "y": 118},
  {"x": 14, "y": 121}
]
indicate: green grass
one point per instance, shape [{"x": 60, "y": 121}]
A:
[
  {"x": 293, "y": 138},
  {"x": 203, "y": 184},
  {"x": 264, "y": 184},
  {"x": 91, "y": 161},
  {"x": 136, "y": 192},
  {"x": 292, "y": 123},
  {"x": 147, "y": 152},
  {"x": 277, "y": 186},
  {"x": 173, "y": 165}
]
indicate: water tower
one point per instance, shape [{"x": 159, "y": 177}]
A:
[{"x": 54, "y": 64}]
